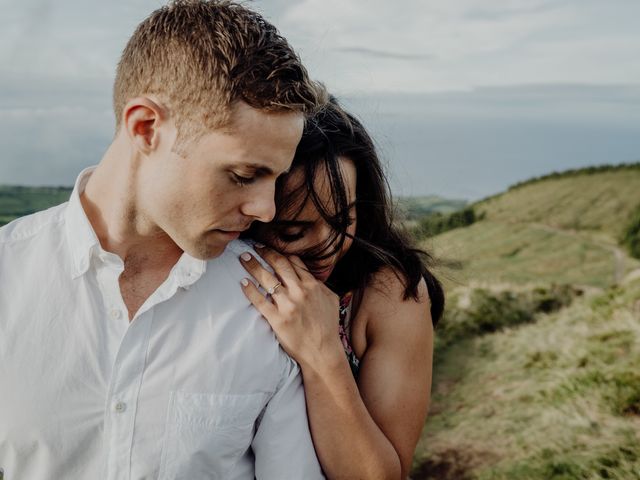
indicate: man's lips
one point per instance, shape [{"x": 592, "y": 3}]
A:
[
  {"x": 232, "y": 230},
  {"x": 231, "y": 234}
]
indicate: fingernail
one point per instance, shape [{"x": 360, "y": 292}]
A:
[
  {"x": 244, "y": 282},
  {"x": 258, "y": 245},
  {"x": 246, "y": 256}
]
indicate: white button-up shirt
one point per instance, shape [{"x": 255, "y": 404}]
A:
[{"x": 196, "y": 386}]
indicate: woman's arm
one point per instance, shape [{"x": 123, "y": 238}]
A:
[
  {"x": 373, "y": 432},
  {"x": 368, "y": 430}
]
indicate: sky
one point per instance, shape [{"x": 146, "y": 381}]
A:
[{"x": 463, "y": 97}]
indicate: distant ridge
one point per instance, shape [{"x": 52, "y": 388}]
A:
[
  {"x": 579, "y": 171},
  {"x": 414, "y": 208},
  {"x": 591, "y": 170},
  {"x": 564, "y": 227},
  {"x": 600, "y": 198}
]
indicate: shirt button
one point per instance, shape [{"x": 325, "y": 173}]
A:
[
  {"x": 115, "y": 314},
  {"x": 120, "y": 407}
]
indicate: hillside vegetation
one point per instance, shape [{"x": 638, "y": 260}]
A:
[
  {"x": 536, "y": 370},
  {"x": 521, "y": 253},
  {"x": 599, "y": 202},
  {"x": 16, "y": 201},
  {"x": 564, "y": 229},
  {"x": 415, "y": 208},
  {"x": 557, "y": 397}
]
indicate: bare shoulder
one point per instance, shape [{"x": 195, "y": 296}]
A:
[{"x": 389, "y": 315}]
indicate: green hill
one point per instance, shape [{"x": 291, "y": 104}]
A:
[
  {"x": 562, "y": 229},
  {"x": 536, "y": 371},
  {"x": 558, "y": 398},
  {"x": 413, "y": 208},
  {"x": 522, "y": 253},
  {"x": 599, "y": 202},
  {"x": 16, "y": 201}
]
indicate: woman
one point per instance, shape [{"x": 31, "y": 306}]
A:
[{"x": 347, "y": 281}]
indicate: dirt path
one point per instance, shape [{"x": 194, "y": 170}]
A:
[{"x": 619, "y": 255}]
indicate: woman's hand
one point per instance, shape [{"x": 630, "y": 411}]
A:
[{"x": 302, "y": 311}]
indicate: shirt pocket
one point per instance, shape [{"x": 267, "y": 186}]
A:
[{"x": 206, "y": 434}]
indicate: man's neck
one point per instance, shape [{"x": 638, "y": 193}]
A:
[{"x": 110, "y": 203}]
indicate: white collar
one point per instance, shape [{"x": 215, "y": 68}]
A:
[{"x": 84, "y": 243}]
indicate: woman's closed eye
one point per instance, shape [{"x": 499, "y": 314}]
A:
[{"x": 291, "y": 235}]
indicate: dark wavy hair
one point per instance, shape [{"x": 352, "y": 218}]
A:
[{"x": 378, "y": 242}]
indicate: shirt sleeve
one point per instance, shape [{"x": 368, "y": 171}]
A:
[{"x": 282, "y": 444}]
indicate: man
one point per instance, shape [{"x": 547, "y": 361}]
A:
[{"x": 127, "y": 348}]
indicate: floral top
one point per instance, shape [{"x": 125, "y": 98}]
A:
[{"x": 345, "y": 332}]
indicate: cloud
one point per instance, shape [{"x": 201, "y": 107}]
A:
[
  {"x": 471, "y": 144},
  {"x": 46, "y": 91},
  {"x": 71, "y": 38},
  {"x": 503, "y": 10},
  {"x": 364, "y": 46},
  {"x": 467, "y": 42},
  {"x": 382, "y": 54},
  {"x": 459, "y": 144},
  {"x": 464, "y": 97},
  {"x": 49, "y": 146}
]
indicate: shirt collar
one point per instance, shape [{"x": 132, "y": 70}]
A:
[
  {"x": 83, "y": 241},
  {"x": 81, "y": 238},
  {"x": 188, "y": 270}
]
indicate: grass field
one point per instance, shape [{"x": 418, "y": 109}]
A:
[
  {"x": 558, "y": 398},
  {"x": 601, "y": 202},
  {"x": 521, "y": 395},
  {"x": 493, "y": 251}
]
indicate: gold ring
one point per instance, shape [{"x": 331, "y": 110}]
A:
[{"x": 273, "y": 289}]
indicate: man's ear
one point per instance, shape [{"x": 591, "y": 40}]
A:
[{"x": 142, "y": 118}]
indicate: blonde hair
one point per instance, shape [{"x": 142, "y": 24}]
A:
[{"x": 198, "y": 57}]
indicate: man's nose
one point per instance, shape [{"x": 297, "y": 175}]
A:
[{"x": 261, "y": 204}]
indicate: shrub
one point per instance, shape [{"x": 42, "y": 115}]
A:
[
  {"x": 490, "y": 312},
  {"x": 631, "y": 235},
  {"x": 437, "y": 223},
  {"x": 626, "y": 399}
]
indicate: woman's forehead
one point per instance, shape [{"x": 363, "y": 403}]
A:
[{"x": 295, "y": 184}]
